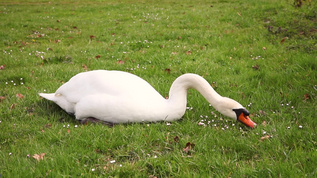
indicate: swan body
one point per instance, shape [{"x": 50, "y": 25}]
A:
[{"x": 121, "y": 97}]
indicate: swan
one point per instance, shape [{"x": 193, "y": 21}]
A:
[{"x": 121, "y": 97}]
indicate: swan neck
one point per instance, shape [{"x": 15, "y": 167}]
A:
[{"x": 178, "y": 91}]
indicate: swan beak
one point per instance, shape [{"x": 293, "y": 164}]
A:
[{"x": 246, "y": 120}]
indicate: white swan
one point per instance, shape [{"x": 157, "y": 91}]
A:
[{"x": 121, "y": 97}]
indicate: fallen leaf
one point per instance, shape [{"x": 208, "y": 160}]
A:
[
  {"x": 19, "y": 95},
  {"x": 283, "y": 39},
  {"x": 239, "y": 13},
  {"x": 262, "y": 112},
  {"x": 57, "y": 41},
  {"x": 174, "y": 53},
  {"x": 48, "y": 125},
  {"x": 188, "y": 52},
  {"x": 176, "y": 139},
  {"x": 189, "y": 146},
  {"x": 306, "y": 96},
  {"x": 265, "y": 137},
  {"x": 85, "y": 67},
  {"x": 256, "y": 67},
  {"x": 91, "y": 37},
  {"x": 120, "y": 62},
  {"x": 12, "y": 106},
  {"x": 264, "y": 123},
  {"x": 39, "y": 157},
  {"x": 98, "y": 56},
  {"x": 168, "y": 70},
  {"x": 2, "y": 98}
]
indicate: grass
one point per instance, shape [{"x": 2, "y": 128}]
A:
[{"x": 260, "y": 53}]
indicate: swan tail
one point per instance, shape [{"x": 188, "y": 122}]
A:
[{"x": 48, "y": 96}]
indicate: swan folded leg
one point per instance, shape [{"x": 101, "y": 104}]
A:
[{"x": 96, "y": 121}]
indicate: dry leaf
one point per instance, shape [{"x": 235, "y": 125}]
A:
[
  {"x": 174, "y": 53},
  {"x": 265, "y": 137},
  {"x": 12, "y": 106},
  {"x": 283, "y": 40},
  {"x": 264, "y": 123},
  {"x": 39, "y": 157},
  {"x": 262, "y": 112},
  {"x": 120, "y": 62},
  {"x": 91, "y": 37},
  {"x": 168, "y": 70},
  {"x": 2, "y": 98},
  {"x": 85, "y": 67},
  {"x": 19, "y": 95},
  {"x": 176, "y": 139},
  {"x": 306, "y": 96},
  {"x": 98, "y": 56},
  {"x": 188, "y": 52},
  {"x": 189, "y": 146},
  {"x": 256, "y": 67}
]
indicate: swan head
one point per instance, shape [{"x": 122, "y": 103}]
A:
[
  {"x": 235, "y": 110},
  {"x": 243, "y": 116}
]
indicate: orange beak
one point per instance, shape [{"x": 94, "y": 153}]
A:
[{"x": 246, "y": 120}]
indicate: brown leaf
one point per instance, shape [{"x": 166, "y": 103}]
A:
[
  {"x": 174, "y": 53},
  {"x": 264, "y": 123},
  {"x": 85, "y": 67},
  {"x": 12, "y": 106},
  {"x": 98, "y": 56},
  {"x": 39, "y": 157},
  {"x": 2, "y": 67},
  {"x": 120, "y": 62},
  {"x": 188, "y": 52},
  {"x": 306, "y": 96},
  {"x": 57, "y": 41},
  {"x": 91, "y": 37},
  {"x": 283, "y": 40},
  {"x": 176, "y": 139},
  {"x": 189, "y": 146},
  {"x": 168, "y": 70},
  {"x": 2, "y": 98},
  {"x": 262, "y": 112},
  {"x": 256, "y": 67},
  {"x": 19, "y": 95},
  {"x": 265, "y": 137},
  {"x": 48, "y": 125}
]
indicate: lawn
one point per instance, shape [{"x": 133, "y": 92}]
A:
[{"x": 260, "y": 53}]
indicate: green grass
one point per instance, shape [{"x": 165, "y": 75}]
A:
[{"x": 236, "y": 46}]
